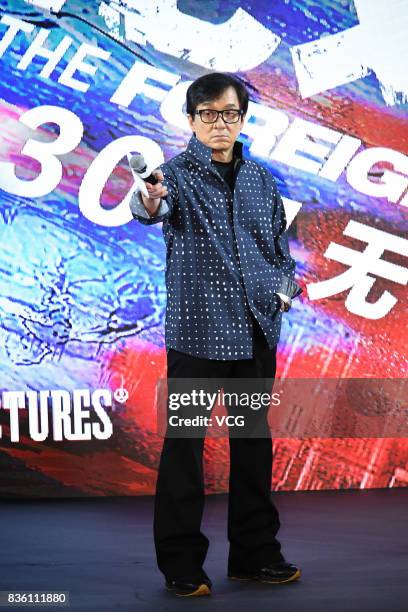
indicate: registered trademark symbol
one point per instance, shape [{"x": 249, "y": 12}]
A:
[{"x": 121, "y": 395}]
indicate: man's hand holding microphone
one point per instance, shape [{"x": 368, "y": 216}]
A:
[
  {"x": 153, "y": 182},
  {"x": 156, "y": 193}
]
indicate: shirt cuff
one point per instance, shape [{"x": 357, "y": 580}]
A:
[
  {"x": 289, "y": 287},
  {"x": 138, "y": 209}
]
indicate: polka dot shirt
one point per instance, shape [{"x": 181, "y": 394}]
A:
[{"x": 226, "y": 254}]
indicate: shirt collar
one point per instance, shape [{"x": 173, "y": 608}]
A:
[{"x": 202, "y": 153}]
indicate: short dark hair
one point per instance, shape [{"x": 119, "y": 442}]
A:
[{"x": 211, "y": 86}]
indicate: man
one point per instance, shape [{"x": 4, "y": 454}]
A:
[{"x": 229, "y": 277}]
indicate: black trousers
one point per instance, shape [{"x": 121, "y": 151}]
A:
[{"x": 253, "y": 519}]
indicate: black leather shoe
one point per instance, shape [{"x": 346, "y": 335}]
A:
[
  {"x": 189, "y": 586},
  {"x": 273, "y": 573}
]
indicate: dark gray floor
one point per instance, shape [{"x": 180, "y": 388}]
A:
[{"x": 352, "y": 547}]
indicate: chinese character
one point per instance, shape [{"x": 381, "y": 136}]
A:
[{"x": 361, "y": 264}]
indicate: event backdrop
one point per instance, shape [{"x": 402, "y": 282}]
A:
[{"x": 84, "y": 84}]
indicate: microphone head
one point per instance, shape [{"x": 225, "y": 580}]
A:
[{"x": 138, "y": 164}]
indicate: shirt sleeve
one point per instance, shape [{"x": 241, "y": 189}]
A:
[
  {"x": 289, "y": 287},
  {"x": 286, "y": 263},
  {"x": 167, "y": 204}
]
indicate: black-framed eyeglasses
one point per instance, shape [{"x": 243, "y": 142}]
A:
[{"x": 210, "y": 115}]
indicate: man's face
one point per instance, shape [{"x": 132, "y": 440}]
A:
[{"x": 218, "y": 135}]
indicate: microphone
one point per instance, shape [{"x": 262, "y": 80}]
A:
[{"x": 139, "y": 166}]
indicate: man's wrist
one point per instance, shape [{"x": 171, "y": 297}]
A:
[
  {"x": 156, "y": 211},
  {"x": 286, "y": 302},
  {"x": 284, "y": 298}
]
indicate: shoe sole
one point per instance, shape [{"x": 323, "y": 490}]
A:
[
  {"x": 295, "y": 576},
  {"x": 203, "y": 589}
]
